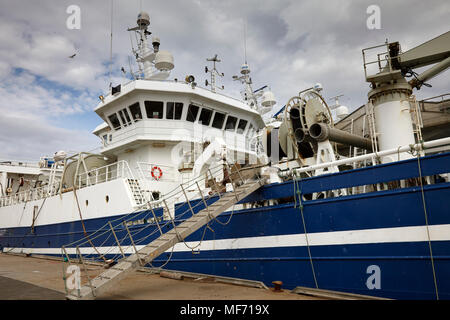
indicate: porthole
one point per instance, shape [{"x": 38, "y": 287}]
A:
[
  {"x": 87, "y": 203},
  {"x": 107, "y": 199}
]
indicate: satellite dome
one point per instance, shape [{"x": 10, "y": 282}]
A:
[
  {"x": 143, "y": 19},
  {"x": 341, "y": 112},
  {"x": 60, "y": 155},
  {"x": 268, "y": 99},
  {"x": 318, "y": 87},
  {"x": 245, "y": 69},
  {"x": 164, "y": 60}
]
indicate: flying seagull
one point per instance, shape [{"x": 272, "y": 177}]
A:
[{"x": 72, "y": 56}]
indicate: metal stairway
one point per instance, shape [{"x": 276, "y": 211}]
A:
[
  {"x": 164, "y": 242},
  {"x": 136, "y": 191}
]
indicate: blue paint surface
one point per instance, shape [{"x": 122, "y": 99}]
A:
[{"x": 406, "y": 271}]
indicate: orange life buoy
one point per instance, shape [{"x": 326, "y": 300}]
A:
[{"x": 158, "y": 175}]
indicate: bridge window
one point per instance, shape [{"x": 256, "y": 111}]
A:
[
  {"x": 135, "y": 111},
  {"x": 218, "y": 120},
  {"x": 205, "y": 117},
  {"x": 192, "y": 113},
  {"x": 174, "y": 110},
  {"x": 231, "y": 123},
  {"x": 241, "y": 126},
  {"x": 127, "y": 116},
  {"x": 114, "y": 121},
  {"x": 124, "y": 117},
  {"x": 250, "y": 131},
  {"x": 154, "y": 109}
]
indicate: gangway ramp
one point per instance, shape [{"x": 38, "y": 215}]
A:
[{"x": 106, "y": 280}]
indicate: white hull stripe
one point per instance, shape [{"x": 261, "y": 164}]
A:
[{"x": 366, "y": 236}]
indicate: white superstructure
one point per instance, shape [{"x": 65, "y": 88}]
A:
[{"x": 156, "y": 133}]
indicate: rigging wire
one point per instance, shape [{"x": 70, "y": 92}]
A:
[
  {"x": 298, "y": 193},
  {"x": 419, "y": 167}
]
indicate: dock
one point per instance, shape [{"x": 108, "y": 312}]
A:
[{"x": 30, "y": 278}]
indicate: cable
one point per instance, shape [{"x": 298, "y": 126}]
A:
[
  {"x": 426, "y": 223},
  {"x": 299, "y": 192}
]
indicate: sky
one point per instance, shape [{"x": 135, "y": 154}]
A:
[{"x": 47, "y": 99}]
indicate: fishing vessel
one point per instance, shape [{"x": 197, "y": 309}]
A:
[{"x": 193, "y": 180}]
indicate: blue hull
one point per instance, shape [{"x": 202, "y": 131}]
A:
[{"x": 405, "y": 265}]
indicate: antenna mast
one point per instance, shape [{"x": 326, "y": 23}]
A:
[{"x": 213, "y": 72}]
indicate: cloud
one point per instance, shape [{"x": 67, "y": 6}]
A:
[
  {"x": 290, "y": 46},
  {"x": 26, "y": 137}
]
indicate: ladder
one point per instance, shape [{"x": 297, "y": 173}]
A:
[
  {"x": 416, "y": 116},
  {"x": 372, "y": 125},
  {"x": 164, "y": 242},
  {"x": 136, "y": 191}
]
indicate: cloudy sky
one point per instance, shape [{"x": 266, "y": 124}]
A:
[{"x": 47, "y": 99}]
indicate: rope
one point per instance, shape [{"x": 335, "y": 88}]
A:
[
  {"x": 133, "y": 234},
  {"x": 426, "y": 223},
  {"x": 298, "y": 191},
  {"x": 82, "y": 224},
  {"x": 32, "y": 225}
]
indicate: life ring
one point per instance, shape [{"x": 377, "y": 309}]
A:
[{"x": 157, "y": 175}]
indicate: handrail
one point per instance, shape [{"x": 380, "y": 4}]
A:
[
  {"x": 415, "y": 147},
  {"x": 106, "y": 173},
  {"x": 30, "y": 195},
  {"x": 113, "y": 171}
]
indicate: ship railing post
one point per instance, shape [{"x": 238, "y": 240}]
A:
[
  {"x": 187, "y": 199},
  {"x": 64, "y": 272},
  {"x": 204, "y": 201},
  {"x": 64, "y": 254},
  {"x": 172, "y": 221},
  {"x": 154, "y": 217},
  {"x": 232, "y": 183},
  {"x": 117, "y": 240},
  {"x": 239, "y": 173},
  {"x": 214, "y": 183},
  {"x": 86, "y": 271},
  {"x": 132, "y": 243}
]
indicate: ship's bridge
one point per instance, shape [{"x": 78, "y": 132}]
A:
[
  {"x": 146, "y": 119},
  {"x": 164, "y": 111}
]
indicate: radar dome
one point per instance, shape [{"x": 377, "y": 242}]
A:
[
  {"x": 268, "y": 99},
  {"x": 60, "y": 155},
  {"x": 318, "y": 87},
  {"x": 143, "y": 19},
  {"x": 164, "y": 60},
  {"x": 341, "y": 112},
  {"x": 245, "y": 69}
]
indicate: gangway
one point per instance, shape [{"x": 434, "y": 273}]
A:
[{"x": 165, "y": 241}]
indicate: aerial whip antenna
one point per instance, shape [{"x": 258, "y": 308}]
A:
[
  {"x": 245, "y": 40},
  {"x": 110, "y": 46}
]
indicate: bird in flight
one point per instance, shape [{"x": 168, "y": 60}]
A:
[{"x": 72, "y": 56}]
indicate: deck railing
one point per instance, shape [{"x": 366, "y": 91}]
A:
[
  {"x": 110, "y": 172},
  {"x": 106, "y": 173},
  {"x": 30, "y": 195}
]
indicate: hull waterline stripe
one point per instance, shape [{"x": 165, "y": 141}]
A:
[{"x": 349, "y": 237}]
